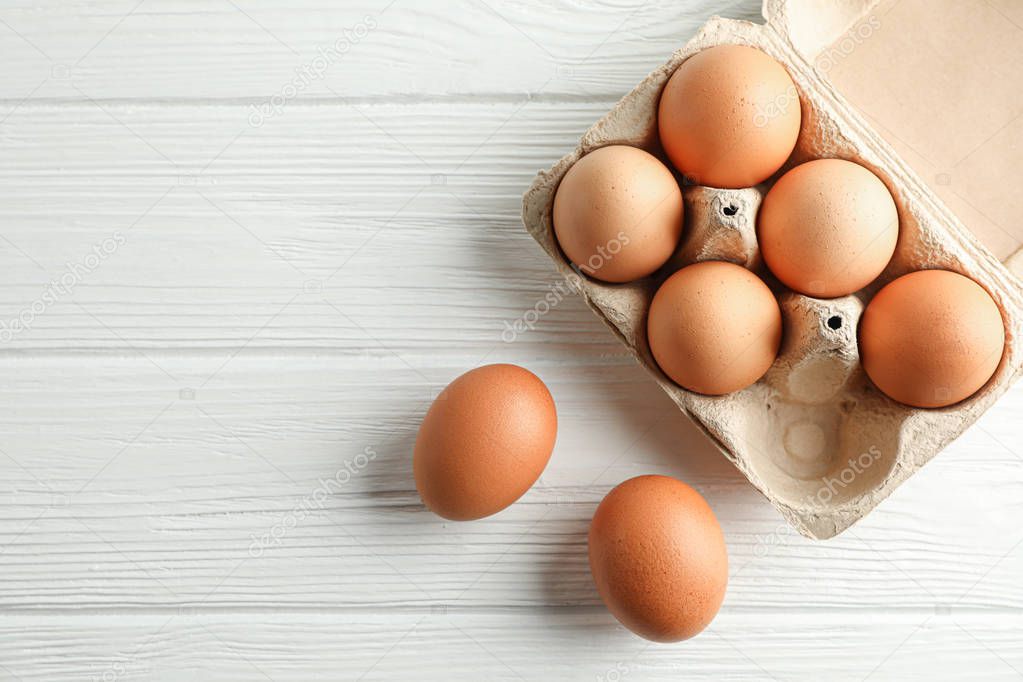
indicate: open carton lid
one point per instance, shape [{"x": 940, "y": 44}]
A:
[{"x": 941, "y": 81}]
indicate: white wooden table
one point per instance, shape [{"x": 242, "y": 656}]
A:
[{"x": 223, "y": 321}]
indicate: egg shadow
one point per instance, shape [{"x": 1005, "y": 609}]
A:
[
  {"x": 392, "y": 483},
  {"x": 565, "y": 577},
  {"x": 565, "y": 574}
]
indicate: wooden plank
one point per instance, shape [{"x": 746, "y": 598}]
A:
[
  {"x": 560, "y": 644},
  {"x": 330, "y": 205},
  {"x": 248, "y": 482},
  {"x": 251, "y": 50}
]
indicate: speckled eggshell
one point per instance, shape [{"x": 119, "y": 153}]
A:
[
  {"x": 484, "y": 442},
  {"x": 827, "y": 228},
  {"x": 618, "y": 213},
  {"x": 714, "y": 327},
  {"x": 729, "y": 117},
  {"x": 931, "y": 338},
  {"x": 658, "y": 557}
]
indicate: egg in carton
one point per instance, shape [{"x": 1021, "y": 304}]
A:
[{"x": 813, "y": 434}]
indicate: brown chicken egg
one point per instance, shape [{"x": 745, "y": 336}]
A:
[
  {"x": 484, "y": 442},
  {"x": 714, "y": 327},
  {"x": 827, "y": 228},
  {"x": 729, "y": 117},
  {"x": 931, "y": 338},
  {"x": 618, "y": 213},
  {"x": 658, "y": 557}
]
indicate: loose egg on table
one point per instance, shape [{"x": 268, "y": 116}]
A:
[
  {"x": 618, "y": 213},
  {"x": 828, "y": 228},
  {"x": 658, "y": 558},
  {"x": 484, "y": 442},
  {"x": 931, "y": 338},
  {"x": 729, "y": 117},
  {"x": 714, "y": 327}
]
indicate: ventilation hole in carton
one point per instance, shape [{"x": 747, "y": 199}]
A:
[
  {"x": 835, "y": 322},
  {"x": 730, "y": 209}
]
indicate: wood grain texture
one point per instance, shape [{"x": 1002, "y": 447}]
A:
[
  {"x": 400, "y": 49},
  {"x": 548, "y": 644},
  {"x": 205, "y": 432}
]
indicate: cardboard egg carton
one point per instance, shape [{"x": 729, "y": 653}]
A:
[{"x": 813, "y": 435}]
